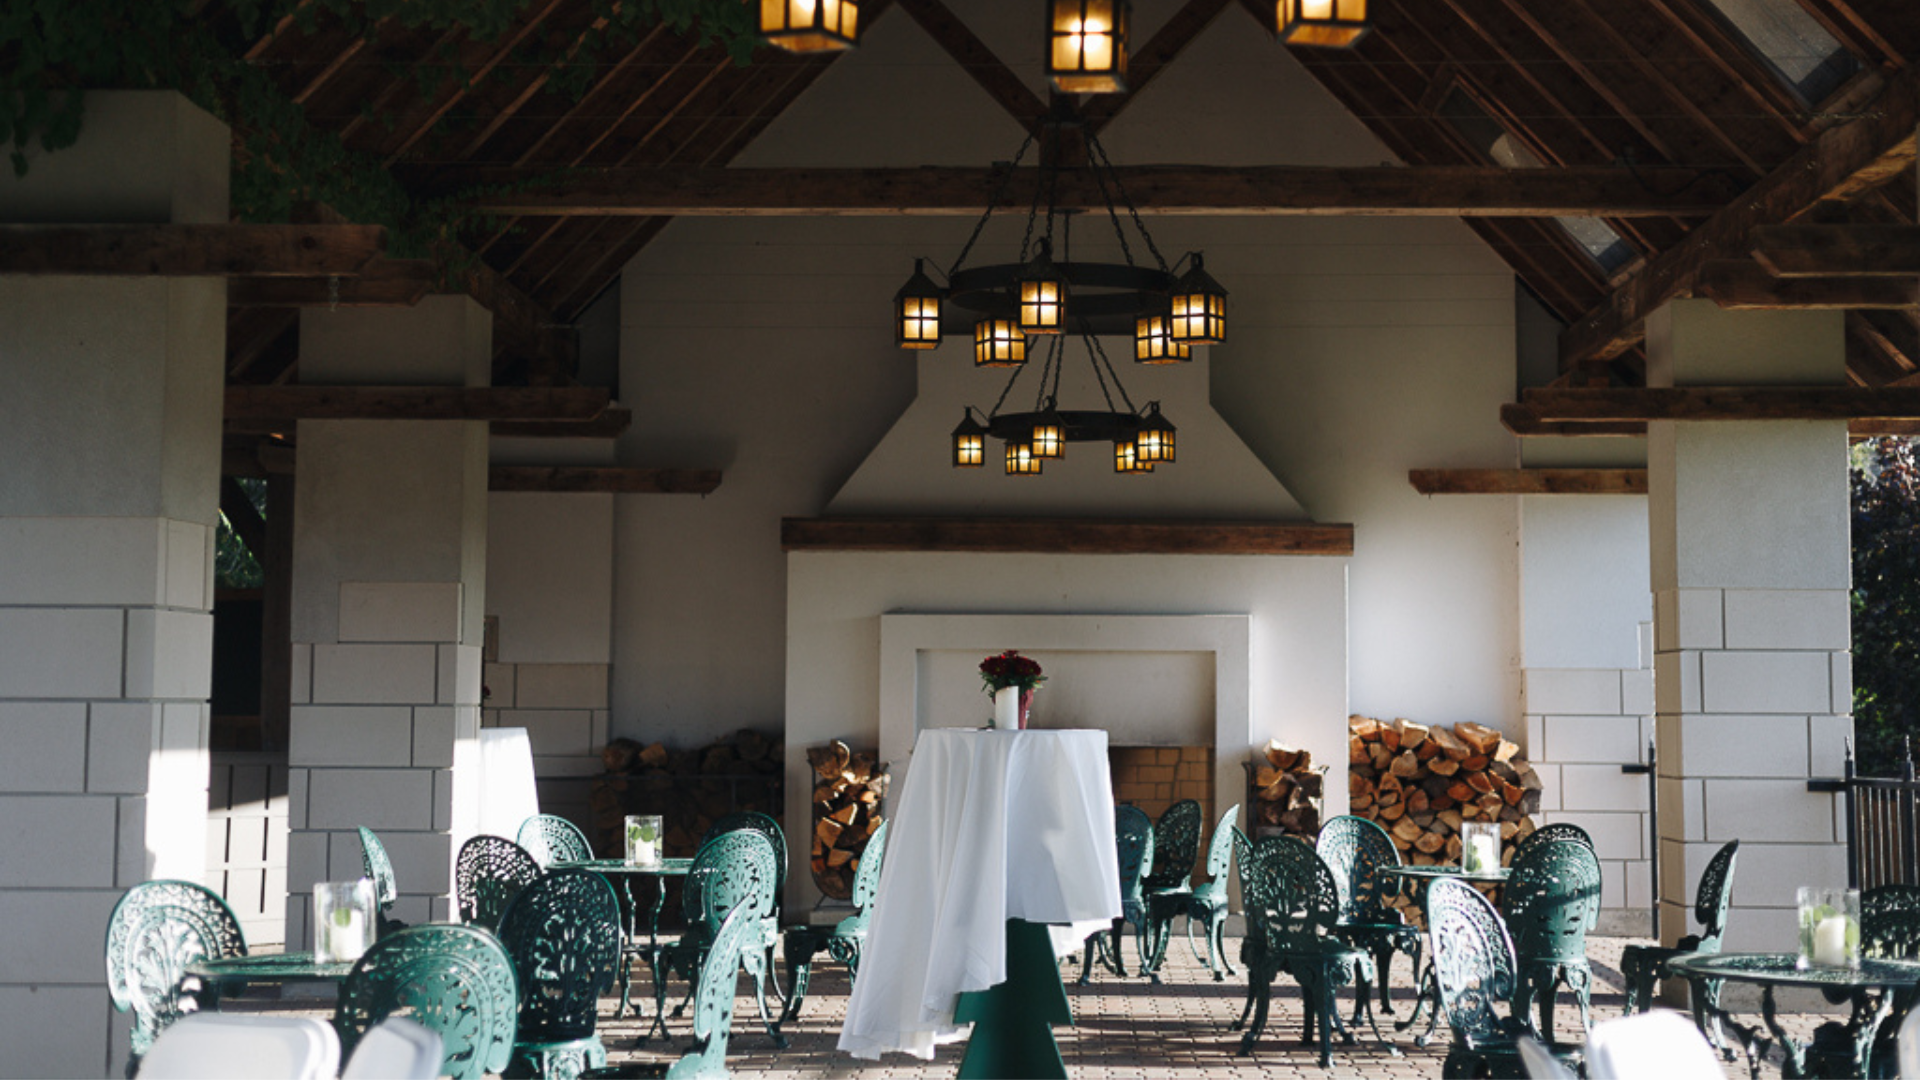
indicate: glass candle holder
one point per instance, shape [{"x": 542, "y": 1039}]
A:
[
  {"x": 1479, "y": 847},
  {"x": 643, "y": 839},
  {"x": 1829, "y": 927},
  {"x": 343, "y": 920}
]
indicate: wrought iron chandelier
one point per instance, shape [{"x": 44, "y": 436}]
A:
[{"x": 1035, "y": 306}]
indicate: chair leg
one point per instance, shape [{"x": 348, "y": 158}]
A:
[
  {"x": 799, "y": 973},
  {"x": 1217, "y": 942},
  {"x": 1246, "y": 1010},
  {"x": 1580, "y": 981},
  {"x": 771, "y": 1023},
  {"x": 1639, "y": 976},
  {"x": 1710, "y": 996},
  {"x": 1195, "y": 949},
  {"x": 1262, "y": 992},
  {"x": 1086, "y": 960}
]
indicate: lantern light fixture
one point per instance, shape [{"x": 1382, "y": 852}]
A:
[
  {"x": 1049, "y": 433},
  {"x": 1337, "y": 24},
  {"x": 1153, "y": 342},
  {"x": 1021, "y": 460},
  {"x": 1042, "y": 292},
  {"x": 917, "y": 307},
  {"x": 1087, "y": 46},
  {"x": 998, "y": 343},
  {"x": 1154, "y": 444},
  {"x": 1126, "y": 458},
  {"x": 810, "y": 26},
  {"x": 1199, "y": 306},
  {"x": 969, "y": 442}
]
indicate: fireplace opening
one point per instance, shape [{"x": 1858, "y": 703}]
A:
[{"x": 1155, "y": 777}]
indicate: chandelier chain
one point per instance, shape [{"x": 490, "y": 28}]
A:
[
  {"x": 1097, "y": 356},
  {"x": 979, "y": 226},
  {"x": 1107, "y": 162}
]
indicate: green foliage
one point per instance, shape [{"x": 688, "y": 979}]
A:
[
  {"x": 1886, "y": 602},
  {"x": 234, "y": 566}
]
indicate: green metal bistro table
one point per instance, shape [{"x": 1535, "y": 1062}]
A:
[
  {"x": 1427, "y": 996},
  {"x": 226, "y": 978},
  {"x": 1869, "y": 989},
  {"x": 626, "y": 872}
]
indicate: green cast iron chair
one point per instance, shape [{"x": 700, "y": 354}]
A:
[
  {"x": 1208, "y": 904},
  {"x": 712, "y": 1011},
  {"x": 733, "y": 870},
  {"x": 1133, "y": 835},
  {"x": 1550, "y": 900},
  {"x": 1292, "y": 904},
  {"x": 155, "y": 931},
  {"x": 563, "y": 933},
  {"x": 379, "y": 868},
  {"x": 766, "y": 826},
  {"x": 1552, "y": 831},
  {"x": 1361, "y": 854},
  {"x": 1168, "y": 890},
  {"x": 455, "y": 980},
  {"x": 842, "y": 941},
  {"x": 1645, "y": 965},
  {"x": 1889, "y": 930},
  {"x": 489, "y": 871},
  {"x": 1475, "y": 968},
  {"x": 551, "y": 839}
]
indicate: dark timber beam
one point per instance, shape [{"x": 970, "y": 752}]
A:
[
  {"x": 1746, "y": 286},
  {"x": 1800, "y": 251},
  {"x": 249, "y": 403},
  {"x": 380, "y": 283},
  {"x": 1696, "y": 403},
  {"x": 1064, "y": 537},
  {"x": 1528, "y": 481},
  {"x": 189, "y": 250},
  {"x": 608, "y": 425},
  {"x": 620, "y": 481},
  {"x": 1425, "y": 191}
]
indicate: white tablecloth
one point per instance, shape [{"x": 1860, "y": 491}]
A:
[{"x": 992, "y": 825}]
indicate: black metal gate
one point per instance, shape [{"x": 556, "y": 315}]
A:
[{"x": 1882, "y": 847}]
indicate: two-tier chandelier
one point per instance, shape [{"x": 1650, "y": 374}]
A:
[{"x": 1035, "y": 307}]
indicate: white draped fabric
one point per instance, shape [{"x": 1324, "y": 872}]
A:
[
  {"x": 507, "y": 794},
  {"x": 992, "y": 825}
]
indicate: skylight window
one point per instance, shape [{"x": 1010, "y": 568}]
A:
[
  {"x": 1794, "y": 42},
  {"x": 1491, "y": 137}
]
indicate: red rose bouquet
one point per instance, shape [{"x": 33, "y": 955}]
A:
[{"x": 1010, "y": 669}]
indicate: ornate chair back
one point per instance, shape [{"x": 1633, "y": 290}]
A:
[
  {"x": 866, "y": 882},
  {"x": 1176, "y": 844},
  {"x": 1133, "y": 832},
  {"x": 1552, "y": 898},
  {"x": 1220, "y": 848},
  {"x": 455, "y": 980},
  {"x": 1473, "y": 962},
  {"x": 551, "y": 839},
  {"x": 156, "y": 930},
  {"x": 1546, "y": 834},
  {"x": 735, "y": 869},
  {"x": 714, "y": 997},
  {"x": 1294, "y": 893},
  {"x": 487, "y": 874},
  {"x": 765, "y": 826},
  {"x": 386, "y": 889},
  {"x": 1714, "y": 898},
  {"x": 1360, "y": 853},
  {"x": 1890, "y": 922},
  {"x": 563, "y": 933}
]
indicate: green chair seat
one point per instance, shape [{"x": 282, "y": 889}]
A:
[{"x": 156, "y": 930}]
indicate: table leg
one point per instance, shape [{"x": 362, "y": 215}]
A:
[
  {"x": 627, "y": 946},
  {"x": 1013, "y": 1021},
  {"x": 653, "y": 951},
  {"x": 1752, "y": 1043},
  {"x": 1426, "y": 997}
]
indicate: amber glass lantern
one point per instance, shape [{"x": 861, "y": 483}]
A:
[
  {"x": 1042, "y": 292},
  {"x": 810, "y": 26},
  {"x": 1329, "y": 23},
  {"x": 1020, "y": 460},
  {"x": 998, "y": 343},
  {"x": 1154, "y": 443},
  {"x": 1087, "y": 46},
  {"x": 969, "y": 443},
  {"x": 1126, "y": 458},
  {"x": 1199, "y": 307},
  {"x": 917, "y": 307},
  {"x": 1153, "y": 342},
  {"x": 1049, "y": 434}
]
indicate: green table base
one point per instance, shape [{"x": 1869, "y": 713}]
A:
[{"x": 1013, "y": 1021}]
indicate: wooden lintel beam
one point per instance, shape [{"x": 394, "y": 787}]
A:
[
  {"x": 249, "y": 403},
  {"x": 1796, "y": 251},
  {"x": 617, "y": 480},
  {"x": 1744, "y": 285},
  {"x": 1064, "y": 537},
  {"x": 1842, "y": 163},
  {"x": 381, "y": 283},
  {"x": 608, "y": 425},
  {"x": 1528, "y": 481},
  {"x": 189, "y": 250},
  {"x": 1524, "y": 422},
  {"x": 1697, "y": 403},
  {"x": 1276, "y": 190}
]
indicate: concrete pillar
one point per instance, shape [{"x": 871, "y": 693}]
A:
[
  {"x": 109, "y": 498},
  {"x": 1751, "y": 570},
  {"x": 389, "y": 565}
]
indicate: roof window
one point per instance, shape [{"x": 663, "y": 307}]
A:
[{"x": 1811, "y": 60}]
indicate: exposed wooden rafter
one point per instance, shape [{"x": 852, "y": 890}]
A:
[
  {"x": 246, "y": 403},
  {"x": 1528, "y": 481},
  {"x": 1718, "y": 403},
  {"x": 617, "y": 480},
  {"x": 1741, "y": 285},
  {"x": 189, "y": 250},
  {"x": 608, "y": 425},
  {"x": 380, "y": 283},
  {"x": 1806, "y": 251},
  {"x": 1064, "y": 537}
]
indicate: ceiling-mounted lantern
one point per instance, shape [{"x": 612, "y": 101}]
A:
[
  {"x": 1041, "y": 290},
  {"x": 998, "y": 343},
  {"x": 917, "y": 308},
  {"x": 1049, "y": 433},
  {"x": 1126, "y": 458},
  {"x": 1020, "y": 460},
  {"x": 1199, "y": 306},
  {"x": 969, "y": 443},
  {"x": 1087, "y": 46},
  {"x": 1153, "y": 342},
  {"x": 1327, "y": 23},
  {"x": 810, "y": 26},
  {"x": 1154, "y": 442}
]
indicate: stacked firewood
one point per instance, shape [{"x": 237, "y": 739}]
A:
[
  {"x": 1421, "y": 783},
  {"x": 1288, "y": 790},
  {"x": 690, "y": 788},
  {"x": 846, "y": 813}
]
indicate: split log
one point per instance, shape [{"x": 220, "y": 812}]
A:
[{"x": 1422, "y": 782}]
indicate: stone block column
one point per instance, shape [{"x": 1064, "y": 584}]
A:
[
  {"x": 109, "y": 498},
  {"x": 1751, "y": 571},
  {"x": 389, "y": 554}
]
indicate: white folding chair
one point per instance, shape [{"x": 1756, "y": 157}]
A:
[
  {"x": 1659, "y": 1043},
  {"x": 228, "y": 1046},
  {"x": 1910, "y": 1045},
  {"x": 395, "y": 1049}
]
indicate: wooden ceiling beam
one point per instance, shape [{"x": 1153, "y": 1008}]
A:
[
  {"x": 1528, "y": 481},
  {"x": 1824, "y": 251},
  {"x": 380, "y": 283},
  {"x": 249, "y": 403},
  {"x": 1721, "y": 403},
  {"x": 614, "y": 479},
  {"x": 1064, "y": 537},
  {"x": 1843, "y": 161},
  {"x": 1743, "y": 285},
  {"x": 930, "y": 191},
  {"x": 608, "y": 425},
  {"x": 189, "y": 250},
  {"x": 1001, "y": 84},
  {"x": 476, "y": 61}
]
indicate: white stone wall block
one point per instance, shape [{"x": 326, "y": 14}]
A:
[
  {"x": 422, "y": 861},
  {"x": 399, "y": 611},
  {"x": 438, "y": 908},
  {"x": 1549, "y": 785},
  {"x": 57, "y": 933},
  {"x": 183, "y": 729},
  {"x": 1752, "y": 746},
  {"x": 460, "y": 674},
  {"x": 466, "y": 724},
  {"x": 350, "y": 735},
  {"x": 1613, "y": 891},
  {"x": 1602, "y": 787},
  {"x": 1760, "y": 929},
  {"x": 1587, "y": 691},
  {"x": 1843, "y": 682},
  {"x": 373, "y": 675},
  {"x": 1535, "y": 746},
  {"x": 57, "y": 841},
  {"x": 189, "y": 561},
  {"x": 557, "y": 731},
  {"x": 297, "y": 798},
  {"x": 1788, "y": 619},
  {"x": 1699, "y": 616},
  {"x": 60, "y": 1030},
  {"x": 1767, "y": 812},
  {"x": 569, "y": 686},
  {"x": 434, "y": 728},
  {"x": 1639, "y": 884},
  {"x": 43, "y": 746},
  {"x": 1770, "y": 875},
  {"x": 1615, "y": 836},
  {"x": 1766, "y": 682},
  {"x": 80, "y": 561},
  {"x": 61, "y": 652},
  {"x": 442, "y": 793},
  {"x": 134, "y": 863},
  {"x": 1612, "y": 739},
  {"x": 1676, "y": 883},
  {"x": 169, "y": 654},
  {"x": 1676, "y": 682},
  {"x": 1827, "y": 745},
  {"x": 376, "y": 798},
  {"x": 302, "y": 689},
  {"x": 579, "y": 767},
  {"x": 1636, "y": 691},
  {"x": 601, "y": 719},
  {"x": 498, "y": 681},
  {"x": 1646, "y": 646}
]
